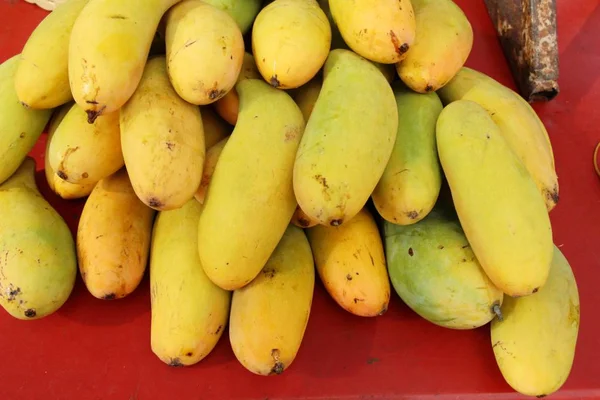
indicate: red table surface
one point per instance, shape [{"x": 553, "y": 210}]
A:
[{"x": 94, "y": 349}]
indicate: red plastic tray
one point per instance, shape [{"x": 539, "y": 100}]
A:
[{"x": 93, "y": 349}]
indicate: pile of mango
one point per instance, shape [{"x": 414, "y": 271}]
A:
[{"x": 239, "y": 150}]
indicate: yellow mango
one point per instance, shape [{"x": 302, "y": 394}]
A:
[
  {"x": 348, "y": 140},
  {"x": 113, "y": 238},
  {"x": 212, "y": 156},
  {"x": 189, "y": 312},
  {"x": 306, "y": 96},
  {"x": 83, "y": 153},
  {"x": 199, "y": 34},
  {"x": 379, "y": 30},
  {"x": 269, "y": 316},
  {"x": 215, "y": 128},
  {"x": 162, "y": 138},
  {"x": 20, "y": 127},
  {"x": 290, "y": 42},
  {"x": 242, "y": 11},
  {"x": 534, "y": 344},
  {"x": 443, "y": 42},
  {"x": 499, "y": 206},
  {"x": 251, "y": 184},
  {"x": 351, "y": 264},
  {"x": 301, "y": 220},
  {"x": 411, "y": 182},
  {"x": 42, "y": 78},
  {"x": 37, "y": 252},
  {"x": 434, "y": 271},
  {"x": 108, "y": 48}
]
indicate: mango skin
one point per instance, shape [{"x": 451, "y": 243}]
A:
[
  {"x": 42, "y": 78},
  {"x": 251, "y": 187},
  {"x": 38, "y": 265},
  {"x": 20, "y": 127},
  {"x": 192, "y": 27},
  {"x": 348, "y": 140},
  {"x": 269, "y": 316},
  {"x": 443, "y": 42},
  {"x": 210, "y": 163},
  {"x": 379, "y": 30},
  {"x": 189, "y": 312},
  {"x": 301, "y": 220},
  {"x": 215, "y": 128},
  {"x": 350, "y": 261},
  {"x": 411, "y": 182},
  {"x": 535, "y": 343},
  {"x": 290, "y": 42},
  {"x": 242, "y": 11},
  {"x": 113, "y": 238},
  {"x": 306, "y": 96},
  {"x": 162, "y": 138},
  {"x": 434, "y": 271},
  {"x": 499, "y": 206}
]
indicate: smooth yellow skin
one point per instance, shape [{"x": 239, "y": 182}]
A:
[
  {"x": 83, "y": 153},
  {"x": 20, "y": 127},
  {"x": 306, "y": 96},
  {"x": 113, "y": 238},
  {"x": 189, "y": 312},
  {"x": 411, "y": 182},
  {"x": 301, "y": 220},
  {"x": 379, "y": 30},
  {"x": 215, "y": 128},
  {"x": 435, "y": 273},
  {"x": 42, "y": 78},
  {"x": 290, "y": 42},
  {"x": 37, "y": 251},
  {"x": 535, "y": 344},
  {"x": 228, "y": 106},
  {"x": 443, "y": 42},
  {"x": 64, "y": 189},
  {"x": 351, "y": 264},
  {"x": 212, "y": 156},
  {"x": 108, "y": 49},
  {"x": 269, "y": 316},
  {"x": 251, "y": 184},
  {"x": 348, "y": 140},
  {"x": 200, "y": 34},
  {"x": 242, "y": 11},
  {"x": 162, "y": 138},
  {"x": 499, "y": 206}
]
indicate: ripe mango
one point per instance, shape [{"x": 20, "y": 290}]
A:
[
  {"x": 290, "y": 42},
  {"x": 443, "y": 42},
  {"x": 411, "y": 182},
  {"x": 199, "y": 34},
  {"x": 212, "y": 157},
  {"x": 162, "y": 138},
  {"x": 269, "y": 315},
  {"x": 535, "y": 343},
  {"x": 215, "y": 128},
  {"x": 189, "y": 312},
  {"x": 306, "y": 96},
  {"x": 499, "y": 206},
  {"x": 242, "y": 11},
  {"x": 351, "y": 264},
  {"x": 113, "y": 238},
  {"x": 20, "y": 127},
  {"x": 348, "y": 140},
  {"x": 301, "y": 220},
  {"x": 251, "y": 184},
  {"x": 38, "y": 265},
  {"x": 435, "y": 272},
  {"x": 379, "y": 30}
]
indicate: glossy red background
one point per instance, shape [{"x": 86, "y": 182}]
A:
[{"x": 92, "y": 349}]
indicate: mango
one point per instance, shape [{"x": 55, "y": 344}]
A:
[
  {"x": 351, "y": 264},
  {"x": 251, "y": 184},
  {"x": 337, "y": 41},
  {"x": 443, "y": 42},
  {"x": 162, "y": 138},
  {"x": 379, "y": 30},
  {"x": 38, "y": 265},
  {"x": 534, "y": 344},
  {"x": 290, "y": 42},
  {"x": 113, "y": 238},
  {"x": 348, "y": 140},
  {"x": 212, "y": 157},
  {"x": 269, "y": 316},
  {"x": 306, "y": 96},
  {"x": 199, "y": 34},
  {"x": 189, "y": 312},
  {"x": 215, "y": 128},
  {"x": 434, "y": 271},
  {"x": 502, "y": 213},
  {"x": 411, "y": 182},
  {"x": 301, "y": 220},
  {"x": 20, "y": 127},
  {"x": 242, "y": 11}
]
